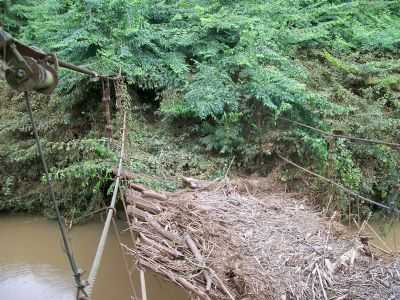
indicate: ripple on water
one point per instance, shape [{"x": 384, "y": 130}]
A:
[{"x": 34, "y": 282}]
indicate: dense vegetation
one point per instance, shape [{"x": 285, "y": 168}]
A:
[{"x": 225, "y": 71}]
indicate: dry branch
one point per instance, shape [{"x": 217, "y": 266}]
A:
[{"x": 196, "y": 252}]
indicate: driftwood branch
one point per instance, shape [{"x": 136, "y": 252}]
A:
[
  {"x": 178, "y": 280},
  {"x": 137, "y": 213},
  {"x": 196, "y": 252},
  {"x": 221, "y": 283},
  {"x": 186, "y": 284}
]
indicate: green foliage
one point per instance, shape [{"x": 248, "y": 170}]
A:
[
  {"x": 13, "y": 14},
  {"x": 210, "y": 94},
  {"x": 349, "y": 174},
  {"x": 160, "y": 157},
  {"x": 227, "y": 70},
  {"x": 80, "y": 167},
  {"x": 225, "y": 136}
]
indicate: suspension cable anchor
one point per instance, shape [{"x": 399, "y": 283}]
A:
[{"x": 113, "y": 209}]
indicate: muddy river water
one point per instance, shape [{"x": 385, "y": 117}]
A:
[{"x": 33, "y": 265}]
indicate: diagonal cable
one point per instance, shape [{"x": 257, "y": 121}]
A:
[
  {"x": 345, "y": 189},
  {"x": 60, "y": 221}
]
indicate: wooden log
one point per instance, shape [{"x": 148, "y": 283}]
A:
[
  {"x": 136, "y": 213},
  {"x": 196, "y": 252},
  {"x": 130, "y": 193},
  {"x": 146, "y": 206},
  {"x": 124, "y": 174},
  {"x": 154, "y": 195},
  {"x": 173, "y": 237},
  {"x": 143, "y": 204},
  {"x": 173, "y": 252},
  {"x": 137, "y": 187},
  {"x": 146, "y": 217}
]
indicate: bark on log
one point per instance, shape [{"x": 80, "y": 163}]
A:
[
  {"x": 141, "y": 203},
  {"x": 137, "y": 187},
  {"x": 173, "y": 252},
  {"x": 165, "y": 233},
  {"x": 154, "y": 195},
  {"x": 137, "y": 213}
]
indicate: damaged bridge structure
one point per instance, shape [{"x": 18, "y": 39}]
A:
[{"x": 243, "y": 239}]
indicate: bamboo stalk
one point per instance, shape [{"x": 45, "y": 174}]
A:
[{"x": 143, "y": 285}]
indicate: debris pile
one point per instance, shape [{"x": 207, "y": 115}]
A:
[{"x": 219, "y": 243}]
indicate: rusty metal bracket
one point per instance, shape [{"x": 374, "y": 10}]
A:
[{"x": 29, "y": 69}]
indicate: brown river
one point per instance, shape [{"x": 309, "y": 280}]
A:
[{"x": 33, "y": 265}]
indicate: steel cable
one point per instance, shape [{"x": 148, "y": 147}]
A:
[
  {"x": 60, "y": 221},
  {"x": 395, "y": 146},
  {"x": 345, "y": 189}
]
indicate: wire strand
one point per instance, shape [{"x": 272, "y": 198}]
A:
[
  {"x": 60, "y": 220},
  {"x": 395, "y": 146},
  {"x": 347, "y": 190}
]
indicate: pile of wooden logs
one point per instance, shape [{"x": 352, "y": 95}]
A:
[{"x": 157, "y": 247}]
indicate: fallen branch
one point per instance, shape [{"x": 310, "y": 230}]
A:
[
  {"x": 196, "y": 252},
  {"x": 221, "y": 283},
  {"x": 165, "y": 233},
  {"x": 186, "y": 284}
]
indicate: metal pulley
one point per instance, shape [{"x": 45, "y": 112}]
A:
[
  {"x": 31, "y": 75},
  {"x": 31, "y": 69}
]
